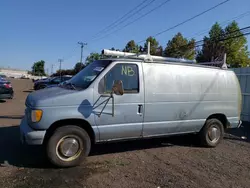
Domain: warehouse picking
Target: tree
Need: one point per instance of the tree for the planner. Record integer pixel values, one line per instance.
(212, 48)
(64, 72)
(132, 47)
(180, 47)
(154, 44)
(78, 67)
(236, 46)
(230, 41)
(92, 57)
(38, 68)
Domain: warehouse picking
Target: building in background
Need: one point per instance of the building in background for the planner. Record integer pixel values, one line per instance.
(15, 73)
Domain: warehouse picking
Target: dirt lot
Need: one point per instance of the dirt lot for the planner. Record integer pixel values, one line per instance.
(169, 162)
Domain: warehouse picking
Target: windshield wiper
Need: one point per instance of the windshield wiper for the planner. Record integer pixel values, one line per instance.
(71, 85)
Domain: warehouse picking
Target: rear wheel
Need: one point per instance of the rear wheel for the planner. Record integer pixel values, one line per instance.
(68, 146)
(212, 133)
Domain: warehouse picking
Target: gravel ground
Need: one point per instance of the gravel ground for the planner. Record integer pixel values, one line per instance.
(167, 162)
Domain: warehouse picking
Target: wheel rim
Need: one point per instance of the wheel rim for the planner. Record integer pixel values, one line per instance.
(68, 148)
(214, 134)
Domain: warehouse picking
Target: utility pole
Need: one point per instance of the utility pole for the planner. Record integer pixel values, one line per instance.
(82, 45)
(52, 66)
(60, 66)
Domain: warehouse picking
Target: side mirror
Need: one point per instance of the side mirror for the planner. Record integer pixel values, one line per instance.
(118, 87)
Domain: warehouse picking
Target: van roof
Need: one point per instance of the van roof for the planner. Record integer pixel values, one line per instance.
(164, 62)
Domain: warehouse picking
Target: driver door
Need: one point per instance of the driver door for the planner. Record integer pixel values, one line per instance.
(128, 108)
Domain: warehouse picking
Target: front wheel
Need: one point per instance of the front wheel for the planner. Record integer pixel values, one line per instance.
(212, 133)
(68, 146)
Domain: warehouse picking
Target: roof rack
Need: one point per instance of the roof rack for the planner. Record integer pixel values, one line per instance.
(150, 58)
(145, 57)
(221, 64)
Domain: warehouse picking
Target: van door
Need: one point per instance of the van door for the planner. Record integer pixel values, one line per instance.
(128, 108)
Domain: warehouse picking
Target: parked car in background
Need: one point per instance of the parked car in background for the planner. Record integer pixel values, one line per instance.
(6, 90)
(50, 82)
(2, 76)
(2, 79)
(57, 85)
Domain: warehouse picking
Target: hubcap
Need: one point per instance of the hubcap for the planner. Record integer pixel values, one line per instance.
(68, 148)
(214, 134)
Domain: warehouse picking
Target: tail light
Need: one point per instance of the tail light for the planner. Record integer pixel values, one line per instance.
(8, 86)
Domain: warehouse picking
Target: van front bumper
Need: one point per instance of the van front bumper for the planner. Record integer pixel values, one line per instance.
(29, 135)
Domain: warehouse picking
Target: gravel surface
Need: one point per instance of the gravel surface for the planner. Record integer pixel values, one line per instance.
(167, 162)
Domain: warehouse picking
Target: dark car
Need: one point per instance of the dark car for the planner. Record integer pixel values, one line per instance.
(50, 82)
(6, 90)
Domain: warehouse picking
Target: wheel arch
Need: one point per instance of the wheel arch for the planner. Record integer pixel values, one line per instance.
(221, 117)
(78, 122)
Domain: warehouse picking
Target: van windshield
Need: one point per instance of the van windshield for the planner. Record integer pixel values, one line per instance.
(85, 77)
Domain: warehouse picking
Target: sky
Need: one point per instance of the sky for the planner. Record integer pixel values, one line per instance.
(48, 30)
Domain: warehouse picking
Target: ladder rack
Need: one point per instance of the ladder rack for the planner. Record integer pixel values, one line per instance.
(145, 57)
(150, 58)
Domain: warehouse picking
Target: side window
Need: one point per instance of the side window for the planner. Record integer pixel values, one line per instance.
(127, 73)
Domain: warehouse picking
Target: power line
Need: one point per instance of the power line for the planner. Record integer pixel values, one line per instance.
(244, 31)
(185, 21)
(159, 6)
(124, 16)
(222, 24)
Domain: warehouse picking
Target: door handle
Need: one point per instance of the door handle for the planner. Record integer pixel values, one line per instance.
(139, 111)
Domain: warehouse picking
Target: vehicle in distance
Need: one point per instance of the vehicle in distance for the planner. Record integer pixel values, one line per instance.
(131, 98)
(6, 90)
(41, 84)
(3, 76)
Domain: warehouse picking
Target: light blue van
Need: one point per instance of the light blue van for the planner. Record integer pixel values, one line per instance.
(131, 98)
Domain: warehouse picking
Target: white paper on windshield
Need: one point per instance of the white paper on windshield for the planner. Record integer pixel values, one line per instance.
(99, 69)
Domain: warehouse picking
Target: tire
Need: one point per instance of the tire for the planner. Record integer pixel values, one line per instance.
(12, 96)
(208, 139)
(64, 135)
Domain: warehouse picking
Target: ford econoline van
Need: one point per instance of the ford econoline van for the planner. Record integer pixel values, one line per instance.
(131, 98)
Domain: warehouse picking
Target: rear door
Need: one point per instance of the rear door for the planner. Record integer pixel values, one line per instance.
(128, 108)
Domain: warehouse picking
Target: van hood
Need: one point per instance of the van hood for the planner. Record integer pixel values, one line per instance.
(54, 96)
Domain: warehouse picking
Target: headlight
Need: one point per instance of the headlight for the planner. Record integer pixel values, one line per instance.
(36, 115)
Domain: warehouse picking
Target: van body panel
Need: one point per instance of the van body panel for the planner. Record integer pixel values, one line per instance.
(179, 98)
(127, 122)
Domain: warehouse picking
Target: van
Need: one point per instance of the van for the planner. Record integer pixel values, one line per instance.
(131, 97)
